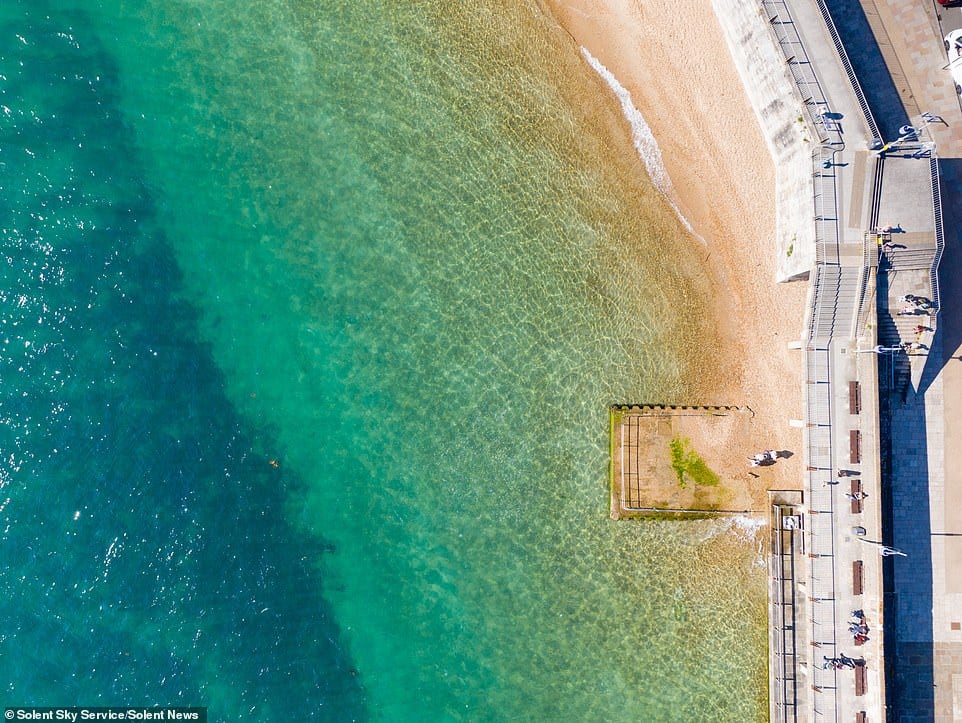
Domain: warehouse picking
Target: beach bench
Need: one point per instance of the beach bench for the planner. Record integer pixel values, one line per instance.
(855, 446)
(861, 717)
(858, 579)
(854, 398)
(856, 489)
(860, 679)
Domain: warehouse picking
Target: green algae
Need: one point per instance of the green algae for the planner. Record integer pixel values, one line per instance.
(689, 465)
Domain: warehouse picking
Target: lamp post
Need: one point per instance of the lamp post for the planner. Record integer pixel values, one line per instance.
(879, 350)
(910, 133)
(884, 550)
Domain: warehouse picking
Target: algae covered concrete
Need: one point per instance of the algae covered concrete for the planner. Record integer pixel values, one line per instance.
(684, 460)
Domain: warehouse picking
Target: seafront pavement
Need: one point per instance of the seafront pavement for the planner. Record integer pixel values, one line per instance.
(910, 40)
(927, 509)
(926, 438)
(920, 440)
(844, 571)
(914, 431)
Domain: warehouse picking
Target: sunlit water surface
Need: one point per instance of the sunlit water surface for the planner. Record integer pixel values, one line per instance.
(311, 314)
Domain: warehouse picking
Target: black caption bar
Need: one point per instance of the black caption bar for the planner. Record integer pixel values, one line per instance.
(74, 714)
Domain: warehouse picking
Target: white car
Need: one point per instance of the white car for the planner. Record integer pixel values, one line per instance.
(953, 46)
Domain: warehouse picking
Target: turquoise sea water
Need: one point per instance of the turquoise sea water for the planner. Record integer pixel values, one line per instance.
(311, 315)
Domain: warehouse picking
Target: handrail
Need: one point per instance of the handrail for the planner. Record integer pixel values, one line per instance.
(849, 71)
(825, 197)
(871, 245)
(800, 66)
(939, 232)
(820, 461)
(863, 276)
(785, 691)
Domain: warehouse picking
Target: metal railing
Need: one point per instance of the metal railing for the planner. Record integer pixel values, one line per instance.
(829, 134)
(939, 232)
(870, 258)
(847, 65)
(799, 65)
(821, 520)
(785, 692)
(825, 200)
(822, 319)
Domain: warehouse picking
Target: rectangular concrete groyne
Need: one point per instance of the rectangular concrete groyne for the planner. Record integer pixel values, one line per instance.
(677, 461)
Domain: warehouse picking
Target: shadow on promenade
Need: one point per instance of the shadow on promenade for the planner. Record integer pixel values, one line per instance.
(905, 479)
(869, 65)
(950, 269)
(906, 527)
(948, 341)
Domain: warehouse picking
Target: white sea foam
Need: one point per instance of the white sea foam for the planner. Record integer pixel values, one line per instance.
(641, 134)
(745, 528)
(748, 527)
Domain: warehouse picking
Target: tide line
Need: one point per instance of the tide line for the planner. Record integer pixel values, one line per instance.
(641, 135)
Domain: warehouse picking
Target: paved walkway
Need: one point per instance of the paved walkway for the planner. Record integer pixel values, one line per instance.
(909, 36)
(925, 601)
(898, 436)
(925, 458)
(903, 444)
(844, 570)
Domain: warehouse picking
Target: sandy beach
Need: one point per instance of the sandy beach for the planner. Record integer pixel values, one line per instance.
(673, 59)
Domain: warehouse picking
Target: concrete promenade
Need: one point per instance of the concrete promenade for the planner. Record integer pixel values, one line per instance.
(841, 572)
(874, 413)
(883, 377)
(922, 454)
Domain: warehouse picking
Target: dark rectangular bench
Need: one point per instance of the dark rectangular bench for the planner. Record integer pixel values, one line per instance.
(855, 446)
(861, 717)
(854, 398)
(858, 579)
(856, 489)
(860, 679)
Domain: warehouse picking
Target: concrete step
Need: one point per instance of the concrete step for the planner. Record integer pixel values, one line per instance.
(903, 259)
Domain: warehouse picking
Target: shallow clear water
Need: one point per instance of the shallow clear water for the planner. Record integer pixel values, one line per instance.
(312, 313)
